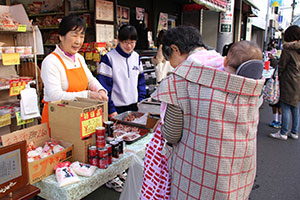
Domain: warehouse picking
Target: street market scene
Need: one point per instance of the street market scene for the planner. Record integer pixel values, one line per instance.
(149, 99)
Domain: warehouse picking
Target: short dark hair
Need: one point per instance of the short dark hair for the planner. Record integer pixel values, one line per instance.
(160, 36)
(292, 33)
(69, 23)
(186, 38)
(241, 52)
(127, 32)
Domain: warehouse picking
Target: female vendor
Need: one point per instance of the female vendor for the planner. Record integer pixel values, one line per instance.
(64, 72)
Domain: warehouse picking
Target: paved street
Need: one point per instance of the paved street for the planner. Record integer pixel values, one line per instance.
(278, 167)
(278, 164)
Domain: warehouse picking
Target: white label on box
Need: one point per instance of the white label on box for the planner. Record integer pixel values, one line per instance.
(10, 165)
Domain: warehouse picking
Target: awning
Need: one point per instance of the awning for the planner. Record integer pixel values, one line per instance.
(216, 5)
(250, 3)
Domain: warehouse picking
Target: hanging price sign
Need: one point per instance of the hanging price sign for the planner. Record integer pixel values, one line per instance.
(20, 121)
(22, 28)
(89, 55)
(11, 59)
(96, 57)
(89, 121)
(16, 88)
(5, 120)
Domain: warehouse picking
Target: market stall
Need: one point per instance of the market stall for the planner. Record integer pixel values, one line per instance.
(51, 190)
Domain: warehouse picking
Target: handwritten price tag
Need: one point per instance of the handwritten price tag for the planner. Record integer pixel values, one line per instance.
(11, 59)
(89, 121)
(20, 121)
(16, 88)
(96, 57)
(5, 120)
(89, 55)
(22, 28)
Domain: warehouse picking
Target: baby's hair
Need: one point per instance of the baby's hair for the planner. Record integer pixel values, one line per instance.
(241, 52)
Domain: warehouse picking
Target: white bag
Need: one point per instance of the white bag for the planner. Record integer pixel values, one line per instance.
(133, 184)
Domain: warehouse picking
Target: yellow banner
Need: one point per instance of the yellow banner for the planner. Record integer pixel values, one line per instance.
(11, 58)
(16, 88)
(5, 120)
(20, 121)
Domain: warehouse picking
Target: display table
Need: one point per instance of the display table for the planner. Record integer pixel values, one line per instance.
(50, 189)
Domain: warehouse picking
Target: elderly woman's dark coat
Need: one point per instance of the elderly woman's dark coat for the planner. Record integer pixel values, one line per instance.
(289, 73)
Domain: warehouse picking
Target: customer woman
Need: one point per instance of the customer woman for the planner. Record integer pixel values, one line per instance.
(64, 72)
(211, 118)
(162, 66)
(289, 80)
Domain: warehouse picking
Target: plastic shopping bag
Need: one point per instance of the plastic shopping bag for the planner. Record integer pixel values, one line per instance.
(134, 180)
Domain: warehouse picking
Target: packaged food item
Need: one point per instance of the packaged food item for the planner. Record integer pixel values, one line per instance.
(65, 175)
(82, 169)
(8, 23)
(8, 50)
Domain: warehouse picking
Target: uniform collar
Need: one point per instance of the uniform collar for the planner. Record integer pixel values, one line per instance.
(122, 53)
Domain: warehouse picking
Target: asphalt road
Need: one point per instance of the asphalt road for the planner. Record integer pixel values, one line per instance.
(278, 164)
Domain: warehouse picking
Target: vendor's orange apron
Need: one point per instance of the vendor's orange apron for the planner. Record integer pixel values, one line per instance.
(77, 82)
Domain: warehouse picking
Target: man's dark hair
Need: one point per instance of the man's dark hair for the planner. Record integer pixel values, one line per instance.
(186, 38)
(160, 36)
(127, 32)
(70, 23)
(292, 33)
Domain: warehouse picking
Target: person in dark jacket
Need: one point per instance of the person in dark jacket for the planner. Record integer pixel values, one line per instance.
(289, 80)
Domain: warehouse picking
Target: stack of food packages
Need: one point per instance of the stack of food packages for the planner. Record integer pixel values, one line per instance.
(35, 153)
(110, 143)
(7, 80)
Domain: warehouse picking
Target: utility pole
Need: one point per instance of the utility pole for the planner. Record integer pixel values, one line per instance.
(267, 27)
(293, 8)
(225, 33)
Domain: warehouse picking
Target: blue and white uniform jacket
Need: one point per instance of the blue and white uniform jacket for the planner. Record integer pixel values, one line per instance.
(121, 74)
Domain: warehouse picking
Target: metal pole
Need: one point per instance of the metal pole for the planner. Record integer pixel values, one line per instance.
(267, 27)
(293, 8)
(226, 26)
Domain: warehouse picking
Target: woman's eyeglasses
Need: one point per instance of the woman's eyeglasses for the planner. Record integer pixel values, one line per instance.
(129, 42)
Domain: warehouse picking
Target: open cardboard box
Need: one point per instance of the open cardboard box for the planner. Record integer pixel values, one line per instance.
(66, 123)
(38, 134)
(152, 121)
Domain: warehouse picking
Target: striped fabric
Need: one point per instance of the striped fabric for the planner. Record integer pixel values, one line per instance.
(216, 156)
(172, 128)
(156, 179)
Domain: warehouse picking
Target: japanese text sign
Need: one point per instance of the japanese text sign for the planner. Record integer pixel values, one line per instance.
(89, 121)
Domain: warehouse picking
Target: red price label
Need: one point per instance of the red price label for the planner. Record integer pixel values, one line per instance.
(16, 88)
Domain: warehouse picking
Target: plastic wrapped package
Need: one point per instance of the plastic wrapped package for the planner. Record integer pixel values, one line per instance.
(133, 184)
(82, 169)
(64, 174)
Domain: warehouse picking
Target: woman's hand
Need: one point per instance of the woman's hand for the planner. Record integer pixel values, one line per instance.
(100, 95)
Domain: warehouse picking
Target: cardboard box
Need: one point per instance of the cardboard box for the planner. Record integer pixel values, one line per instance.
(38, 134)
(66, 122)
(152, 120)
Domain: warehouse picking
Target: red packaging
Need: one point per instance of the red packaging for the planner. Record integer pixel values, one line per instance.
(102, 153)
(93, 161)
(100, 143)
(100, 137)
(103, 163)
(100, 131)
(109, 148)
(92, 151)
(109, 159)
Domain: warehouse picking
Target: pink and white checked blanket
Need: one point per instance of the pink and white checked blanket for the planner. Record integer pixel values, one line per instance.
(156, 180)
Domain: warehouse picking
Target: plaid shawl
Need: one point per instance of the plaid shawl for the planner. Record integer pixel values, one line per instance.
(216, 157)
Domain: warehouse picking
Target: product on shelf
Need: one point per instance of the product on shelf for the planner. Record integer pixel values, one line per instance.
(8, 23)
